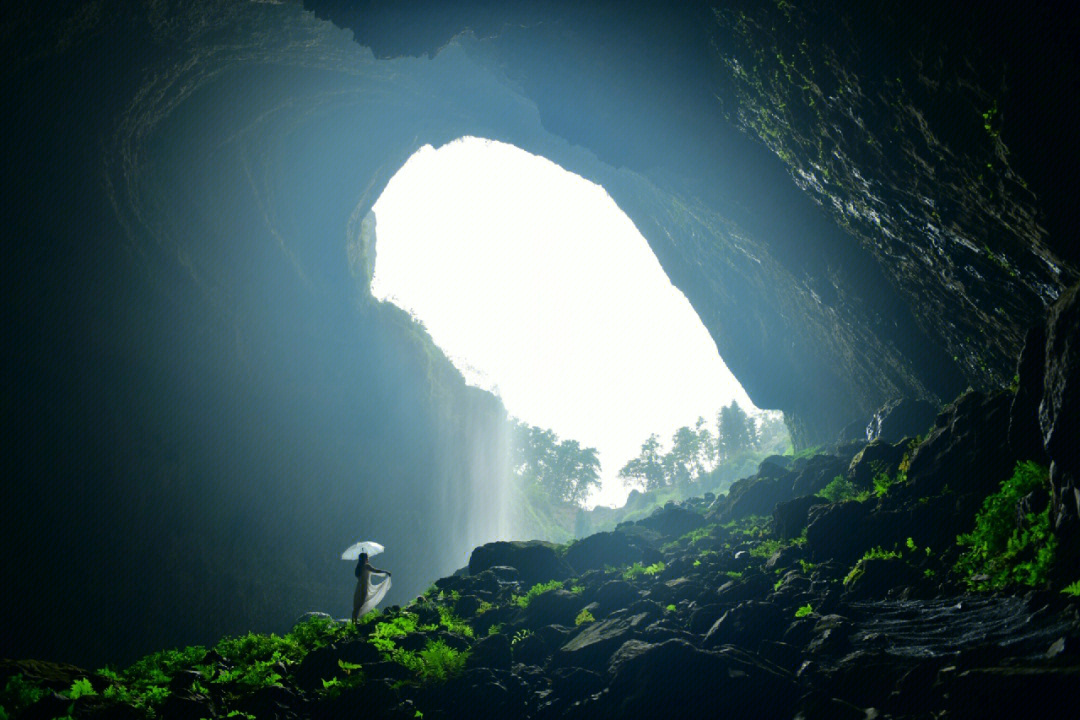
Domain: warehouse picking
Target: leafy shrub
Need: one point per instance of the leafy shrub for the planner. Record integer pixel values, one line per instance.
(1072, 589)
(841, 490)
(670, 608)
(882, 482)
(453, 623)
(519, 636)
(876, 553)
(584, 617)
(523, 601)
(638, 569)
(998, 552)
(766, 548)
(804, 610)
(81, 688)
(20, 693)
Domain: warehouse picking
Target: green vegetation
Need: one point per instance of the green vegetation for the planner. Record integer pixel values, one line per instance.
(519, 636)
(767, 548)
(562, 470)
(842, 490)
(522, 601)
(998, 553)
(1072, 589)
(670, 607)
(876, 553)
(696, 455)
(804, 610)
(19, 694)
(584, 617)
(806, 452)
(638, 569)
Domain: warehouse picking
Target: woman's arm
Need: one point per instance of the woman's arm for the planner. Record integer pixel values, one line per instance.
(374, 569)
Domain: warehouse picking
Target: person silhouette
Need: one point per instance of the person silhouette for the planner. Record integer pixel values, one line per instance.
(363, 599)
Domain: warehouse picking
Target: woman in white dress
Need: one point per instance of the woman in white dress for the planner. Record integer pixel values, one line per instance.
(364, 599)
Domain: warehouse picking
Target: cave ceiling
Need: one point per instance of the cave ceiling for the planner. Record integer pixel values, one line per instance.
(834, 189)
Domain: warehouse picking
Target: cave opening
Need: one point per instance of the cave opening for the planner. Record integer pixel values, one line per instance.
(539, 288)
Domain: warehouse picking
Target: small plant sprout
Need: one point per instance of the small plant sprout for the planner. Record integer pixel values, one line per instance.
(803, 611)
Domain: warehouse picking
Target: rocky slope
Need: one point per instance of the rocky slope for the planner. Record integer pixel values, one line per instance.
(849, 599)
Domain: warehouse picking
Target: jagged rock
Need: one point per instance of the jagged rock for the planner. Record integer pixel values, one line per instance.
(877, 457)
(1025, 433)
(832, 531)
(647, 681)
(789, 517)
(557, 607)
(747, 588)
(880, 575)
(968, 449)
(531, 650)
(672, 521)
(818, 472)
(322, 664)
(780, 461)
(1009, 692)
(574, 683)
(756, 496)
(536, 561)
(492, 651)
(616, 548)
(278, 703)
(616, 594)
(1059, 410)
(747, 625)
(1059, 419)
(831, 636)
(593, 646)
(899, 419)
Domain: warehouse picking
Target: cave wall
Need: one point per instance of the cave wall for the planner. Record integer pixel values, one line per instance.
(203, 401)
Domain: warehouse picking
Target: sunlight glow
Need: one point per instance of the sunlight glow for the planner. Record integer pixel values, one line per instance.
(538, 287)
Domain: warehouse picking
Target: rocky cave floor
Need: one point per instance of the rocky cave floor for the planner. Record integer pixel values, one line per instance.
(759, 603)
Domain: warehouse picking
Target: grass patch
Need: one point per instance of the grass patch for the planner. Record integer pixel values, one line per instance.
(998, 553)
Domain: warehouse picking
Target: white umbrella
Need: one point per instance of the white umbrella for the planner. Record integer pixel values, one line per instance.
(364, 546)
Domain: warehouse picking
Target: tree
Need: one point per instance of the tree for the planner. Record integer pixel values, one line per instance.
(647, 469)
(735, 431)
(562, 470)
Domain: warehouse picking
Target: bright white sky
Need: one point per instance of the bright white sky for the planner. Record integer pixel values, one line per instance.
(536, 285)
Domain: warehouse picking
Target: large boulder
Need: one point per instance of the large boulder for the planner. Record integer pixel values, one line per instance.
(535, 560)
(818, 472)
(968, 450)
(833, 531)
(674, 678)
(617, 548)
(789, 517)
(877, 457)
(593, 646)
(899, 419)
(755, 496)
(747, 625)
(672, 521)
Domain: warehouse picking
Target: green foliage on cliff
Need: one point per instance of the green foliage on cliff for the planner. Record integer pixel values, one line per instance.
(999, 553)
(841, 490)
